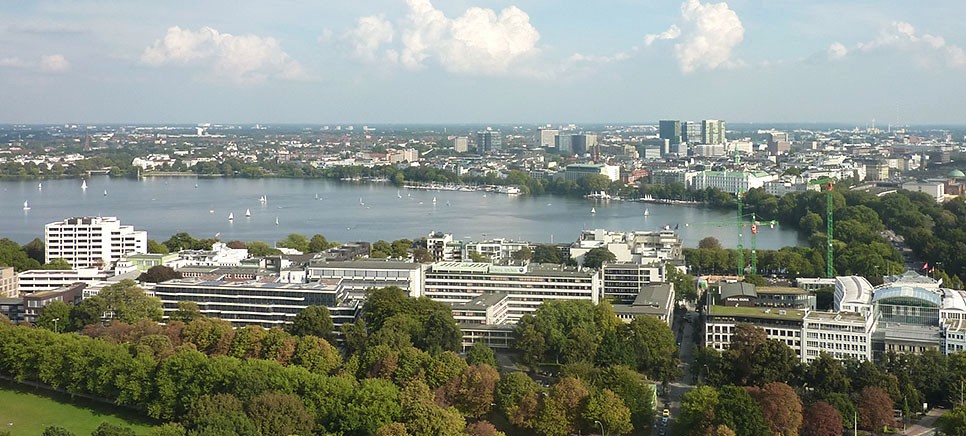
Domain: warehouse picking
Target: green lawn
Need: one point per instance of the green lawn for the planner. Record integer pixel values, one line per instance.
(31, 410)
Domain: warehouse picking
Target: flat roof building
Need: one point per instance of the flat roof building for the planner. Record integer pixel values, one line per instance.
(358, 276)
(655, 300)
(780, 324)
(841, 335)
(92, 241)
(35, 303)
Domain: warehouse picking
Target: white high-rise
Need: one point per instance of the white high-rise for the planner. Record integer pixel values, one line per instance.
(91, 241)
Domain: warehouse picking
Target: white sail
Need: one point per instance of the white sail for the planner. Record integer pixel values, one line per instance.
(105, 192)
(231, 216)
(84, 184)
(248, 213)
(26, 206)
(276, 221)
(593, 210)
(40, 186)
(646, 212)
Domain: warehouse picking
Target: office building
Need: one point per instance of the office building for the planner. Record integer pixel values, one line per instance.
(655, 300)
(9, 282)
(583, 143)
(38, 280)
(623, 282)
(563, 144)
(853, 294)
(642, 247)
(145, 261)
(496, 250)
(576, 172)
(484, 319)
(670, 130)
(780, 324)
(92, 241)
(731, 181)
(841, 335)
(35, 303)
(691, 133)
(264, 303)
(461, 144)
(488, 141)
(443, 247)
(527, 286)
(547, 137)
(12, 309)
(358, 276)
(713, 132)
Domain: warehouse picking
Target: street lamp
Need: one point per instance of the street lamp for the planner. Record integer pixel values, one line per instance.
(55, 324)
(601, 427)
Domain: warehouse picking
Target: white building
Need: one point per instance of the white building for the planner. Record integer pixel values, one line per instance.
(358, 276)
(624, 281)
(731, 181)
(642, 247)
(841, 335)
(780, 324)
(527, 286)
(853, 294)
(37, 280)
(219, 255)
(578, 171)
(495, 249)
(935, 188)
(91, 241)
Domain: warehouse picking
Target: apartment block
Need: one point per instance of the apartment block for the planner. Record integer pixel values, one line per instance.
(92, 241)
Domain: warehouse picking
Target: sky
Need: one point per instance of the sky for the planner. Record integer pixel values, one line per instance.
(482, 61)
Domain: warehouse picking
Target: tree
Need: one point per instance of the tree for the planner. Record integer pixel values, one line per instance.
(187, 311)
(423, 416)
(560, 413)
(318, 244)
(827, 375)
(295, 241)
(392, 429)
(710, 243)
(546, 253)
(685, 288)
(472, 392)
(124, 301)
(315, 321)
(523, 254)
(480, 353)
(108, 429)
(281, 414)
(11, 254)
(373, 404)
(821, 419)
(596, 257)
(780, 406)
(169, 429)
(54, 430)
(609, 409)
(875, 409)
(652, 341)
(317, 355)
(844, 406)
(261, 249)
(517, 396)
(697, 414)
(218, 414)
(482, 428)
(56, 310)
(56, 264)
(158, 274)
(400, 248)
(739, 411)
(35, 250)
(155, 247)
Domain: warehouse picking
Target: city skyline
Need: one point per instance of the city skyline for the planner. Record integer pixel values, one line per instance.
(523, 61)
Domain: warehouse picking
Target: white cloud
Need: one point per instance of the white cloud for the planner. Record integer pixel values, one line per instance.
(837, 51)
(707, 35)
(902, 37)
(13, 62)
(368, 37)
(54, 63)
(480, 41)
(239, 58)
(673, 32)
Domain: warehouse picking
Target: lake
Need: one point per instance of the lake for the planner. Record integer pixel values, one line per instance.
(346, 211)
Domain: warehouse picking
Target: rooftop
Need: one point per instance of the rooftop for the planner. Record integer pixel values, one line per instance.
(729, 290)
(363, 264)
(757, 312)
(482, 301)
(780, 290)
(836, 316)
(321, 285)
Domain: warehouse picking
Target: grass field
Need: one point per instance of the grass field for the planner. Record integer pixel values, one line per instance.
(31, 410)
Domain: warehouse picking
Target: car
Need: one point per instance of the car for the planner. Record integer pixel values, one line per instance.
(666, 412)
(664, 420)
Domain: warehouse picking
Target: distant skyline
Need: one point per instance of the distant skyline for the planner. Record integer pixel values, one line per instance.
(482, 61)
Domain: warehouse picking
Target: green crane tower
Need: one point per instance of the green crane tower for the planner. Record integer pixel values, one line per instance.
(829, 270)
(741, 225)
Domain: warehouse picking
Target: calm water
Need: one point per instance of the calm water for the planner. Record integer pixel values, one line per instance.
(344, 211)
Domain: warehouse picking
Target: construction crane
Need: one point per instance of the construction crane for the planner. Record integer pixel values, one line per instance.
(829, 208)
(756, 226)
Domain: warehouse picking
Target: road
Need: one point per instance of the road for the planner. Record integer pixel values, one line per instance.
(684, 330)
(926, 425)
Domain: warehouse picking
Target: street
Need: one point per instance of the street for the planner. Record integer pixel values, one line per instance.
(684, 330)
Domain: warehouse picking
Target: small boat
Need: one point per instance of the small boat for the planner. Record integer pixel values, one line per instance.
(398, 194)
(316, 196)
(231, 216)
(434, 200)
(105, 192)
(84, 185)
(40, 186)
(593, 210)
(276, 221)
(646, 212)
(263, 199)
(248, 213)
(26, 206)
(211, 211)
(360, 202)
(196, 186)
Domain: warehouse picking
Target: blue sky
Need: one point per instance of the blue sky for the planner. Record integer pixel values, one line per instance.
(481, 61)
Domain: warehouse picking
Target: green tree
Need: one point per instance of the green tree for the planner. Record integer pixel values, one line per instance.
(54, 430)
(169, 429)
(710, 243)
(517, 396)
(187, 311)
(317, 355)
(608, 408)
(739, 411)
(476, 256)
(374, 404)
(400, 248)
(108, 429)
(56, 310)
(294, 241)
(219, 414)
(158, 274)
(261, 249)
(546, 253)
(56, 264)
(523, 254)
(480, 353)
(596, 257)
(318, 244)
(652, 341)
(685, 285)
(422, 415)
(35, 250)
(155, 247)
(315, 321)
(124, 301)
(281, 414)
(697, 416)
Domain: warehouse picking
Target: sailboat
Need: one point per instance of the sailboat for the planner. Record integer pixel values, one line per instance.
(248, 213)
(263, 199)
(646, 212)
(593, 210)
(276, 221)
(398, 194)
(26, 206)
(360, 202)
(84, 185)
(434, 200)
(105, 192)
(40, 186)
(231, 216)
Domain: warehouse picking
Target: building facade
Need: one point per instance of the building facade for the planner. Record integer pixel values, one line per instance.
(9, 282)
(92, 241)
(358, 276)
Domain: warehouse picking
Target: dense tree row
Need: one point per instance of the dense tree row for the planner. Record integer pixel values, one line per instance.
(905, 380)
(27, 257)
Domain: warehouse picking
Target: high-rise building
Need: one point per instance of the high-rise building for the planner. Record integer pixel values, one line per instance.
(583, 143)
(90, 241)
(670, 130)
(461, 144)
(9, 282)
(488, 140)
(547, 136)
(564, 144)
(691, 132)
(712, 132)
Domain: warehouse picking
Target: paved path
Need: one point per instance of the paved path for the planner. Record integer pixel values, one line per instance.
(683, 331)
(926, 425)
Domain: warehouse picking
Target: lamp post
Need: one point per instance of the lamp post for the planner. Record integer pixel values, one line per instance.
(601, 427)
(55, 324)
